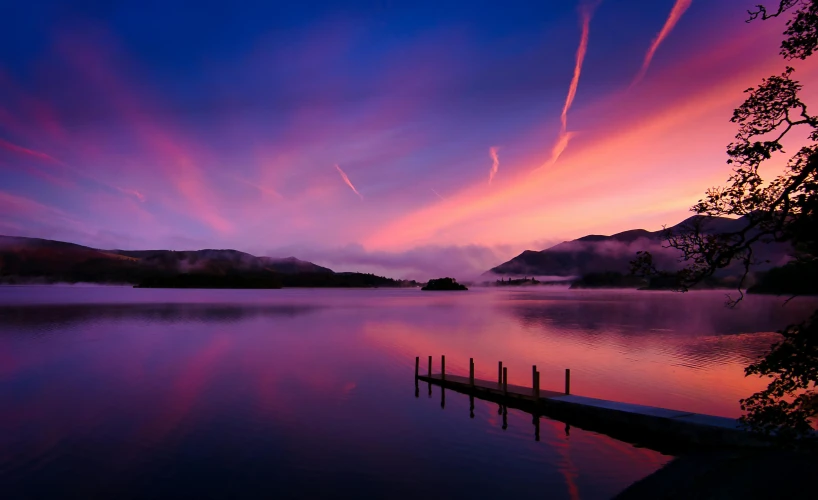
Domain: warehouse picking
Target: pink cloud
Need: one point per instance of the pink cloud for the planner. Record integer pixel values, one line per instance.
(650, 145)
(495, 163)
(585, 16)
(676, 13)
(132, 192)
(20, 150)
(348, 182)
(176, 160)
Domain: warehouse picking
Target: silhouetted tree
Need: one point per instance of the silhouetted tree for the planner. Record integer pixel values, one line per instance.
(783, 209)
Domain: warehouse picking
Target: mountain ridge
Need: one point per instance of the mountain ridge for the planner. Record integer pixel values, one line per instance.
(595, 253)
(38, 260)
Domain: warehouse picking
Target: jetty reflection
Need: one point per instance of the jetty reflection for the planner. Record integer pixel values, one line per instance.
(502, 407)
(670, 432)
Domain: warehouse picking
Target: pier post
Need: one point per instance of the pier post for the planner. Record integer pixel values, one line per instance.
(537, 385)
(500, 373)
(505, 381)
(417, 366)
(442, 367)
(471, 371)
(430, 366)
(567, 381)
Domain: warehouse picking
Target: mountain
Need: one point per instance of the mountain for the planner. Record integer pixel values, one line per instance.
(35, 260)
(190, 260)
(604, 254)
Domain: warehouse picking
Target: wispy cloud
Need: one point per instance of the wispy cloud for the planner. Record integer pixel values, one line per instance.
(348, 182)
(559, 146)
(261, 188)
(679, 8)
(565, 136)
(14, 148)
(132, 192)
(495, 162)
(174, 157)
(585, 15)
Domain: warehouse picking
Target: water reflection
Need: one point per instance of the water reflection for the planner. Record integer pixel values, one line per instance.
(40, 317)
(657, 439)
(643, 313)
(123, 392)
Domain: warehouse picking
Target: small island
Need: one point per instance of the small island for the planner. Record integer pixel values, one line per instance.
(444, 284)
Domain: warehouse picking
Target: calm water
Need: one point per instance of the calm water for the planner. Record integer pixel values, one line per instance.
(127, 393)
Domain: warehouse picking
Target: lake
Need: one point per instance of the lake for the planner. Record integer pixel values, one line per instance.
(114, 392)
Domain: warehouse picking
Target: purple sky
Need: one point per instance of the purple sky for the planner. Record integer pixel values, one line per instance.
(406, 138)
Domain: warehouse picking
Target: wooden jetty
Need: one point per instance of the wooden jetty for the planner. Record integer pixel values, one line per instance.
(662, 429)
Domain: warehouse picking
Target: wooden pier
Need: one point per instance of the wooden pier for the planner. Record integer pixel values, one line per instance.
(662, 429)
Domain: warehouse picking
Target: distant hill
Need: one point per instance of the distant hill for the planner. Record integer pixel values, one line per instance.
(605, 254)
(189, 260)
(34, 260)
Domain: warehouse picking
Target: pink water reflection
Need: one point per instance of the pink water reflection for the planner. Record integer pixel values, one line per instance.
(319, 384)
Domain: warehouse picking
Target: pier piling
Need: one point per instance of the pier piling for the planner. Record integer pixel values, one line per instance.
(667, 427)
(536, 384)
(567, 381)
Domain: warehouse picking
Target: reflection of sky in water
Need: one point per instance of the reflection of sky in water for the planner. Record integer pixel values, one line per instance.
(309, 392)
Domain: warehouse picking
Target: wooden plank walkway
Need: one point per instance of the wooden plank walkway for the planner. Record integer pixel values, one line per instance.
(514, 391)
(662, 429)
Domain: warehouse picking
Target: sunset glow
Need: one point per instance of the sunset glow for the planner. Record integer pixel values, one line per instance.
(228, 140)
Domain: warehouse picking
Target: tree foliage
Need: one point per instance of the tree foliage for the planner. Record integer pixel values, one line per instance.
(783, 208)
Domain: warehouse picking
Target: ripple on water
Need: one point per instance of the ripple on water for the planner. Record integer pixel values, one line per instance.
(115, 392)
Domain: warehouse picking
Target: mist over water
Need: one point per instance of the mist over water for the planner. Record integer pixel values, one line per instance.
(121, 392)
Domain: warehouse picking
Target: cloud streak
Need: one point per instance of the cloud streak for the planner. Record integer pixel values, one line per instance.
(585, 15)
(14, 148)
(261, 188)
(679, 8)
(91, 56)
(132, 192)
(348, 182)
(495, 162)
(526, 204)
(559, 146)
(565, 136)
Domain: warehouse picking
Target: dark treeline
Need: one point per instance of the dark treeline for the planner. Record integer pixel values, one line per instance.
(271, 280)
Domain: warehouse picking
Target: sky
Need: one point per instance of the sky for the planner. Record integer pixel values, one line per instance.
(412, 139)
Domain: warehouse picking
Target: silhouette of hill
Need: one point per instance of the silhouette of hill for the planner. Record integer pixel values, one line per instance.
(606, 254)
(35, 260)
(221, 259)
